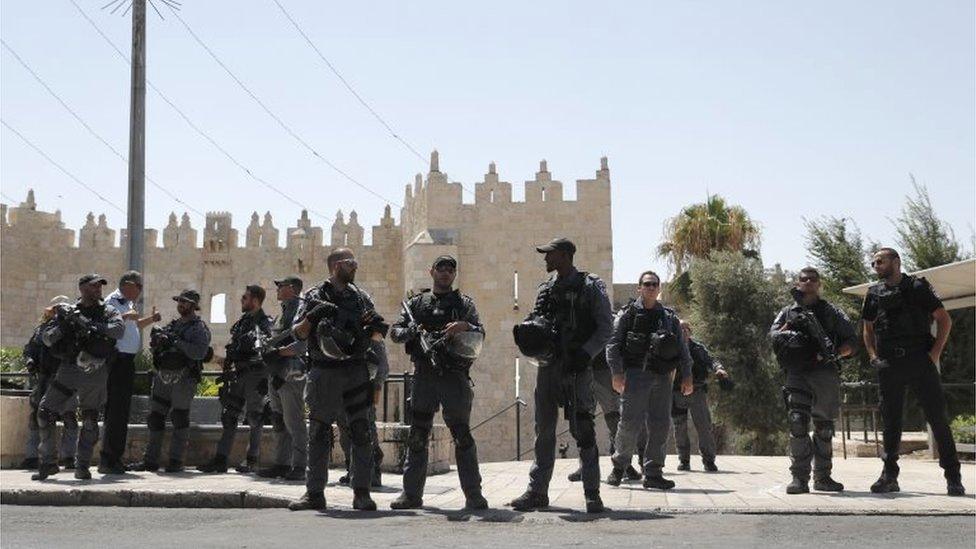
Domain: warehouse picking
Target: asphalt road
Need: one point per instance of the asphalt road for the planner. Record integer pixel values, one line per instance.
(101, 527)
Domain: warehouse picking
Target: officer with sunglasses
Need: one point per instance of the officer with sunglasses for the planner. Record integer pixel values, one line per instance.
(812, 389)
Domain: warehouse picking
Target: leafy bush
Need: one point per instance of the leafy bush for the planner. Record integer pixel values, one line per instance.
(12, 360)
(963, 429)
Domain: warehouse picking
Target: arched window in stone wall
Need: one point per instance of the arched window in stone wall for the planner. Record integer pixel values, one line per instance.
(218, 309)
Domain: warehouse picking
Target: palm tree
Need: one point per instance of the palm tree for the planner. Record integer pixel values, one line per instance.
(702, 228)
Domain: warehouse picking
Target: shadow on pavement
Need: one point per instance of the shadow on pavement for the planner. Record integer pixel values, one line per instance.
(355, 514)
(486, 515)
(610, 514)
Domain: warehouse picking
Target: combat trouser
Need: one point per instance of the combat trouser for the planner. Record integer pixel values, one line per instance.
(553, 389)
(71, 383)
(695, 404)
(173, 400)
(451, 392)
(644, 404)
(329, 391)
(241, 396)
(290, 430)
(812, 394)
(69, 433)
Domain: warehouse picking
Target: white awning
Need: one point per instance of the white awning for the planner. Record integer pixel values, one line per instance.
(955, 283)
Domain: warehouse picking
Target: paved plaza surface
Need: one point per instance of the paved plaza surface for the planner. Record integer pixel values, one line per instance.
(745, 485)
(101, 527)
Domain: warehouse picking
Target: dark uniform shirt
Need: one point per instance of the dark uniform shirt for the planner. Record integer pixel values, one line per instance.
(702, 365)
(623, 323)
(433, 312)
(105, 319)
(594, 300)
(242, 338)
(902, 314)
(352, 303)
(193, 336)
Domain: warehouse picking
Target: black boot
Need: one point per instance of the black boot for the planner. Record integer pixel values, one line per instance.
(144, 466)
(216, 465)
(615, 476)
(247, 466)
(404, 501)
(798, 486)
(593, 502)
(30, 464)
(68, 463)
(344, 479)
(82, 472)
(658, 482)
(275, 471)
(710, 466)
(885, 484)
(954, 487)
(632, 474)
(106, 467)
(45, 470)
(530, 501)
(827, 484)
(175, 466)
(473, 500)
(684, 466)
(295, 473)
(576, 475)
(362, 501)
(308, 501)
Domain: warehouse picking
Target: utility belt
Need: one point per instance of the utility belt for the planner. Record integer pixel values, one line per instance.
(653, 366)
(337, 364)
(422, 366)
(890, 352)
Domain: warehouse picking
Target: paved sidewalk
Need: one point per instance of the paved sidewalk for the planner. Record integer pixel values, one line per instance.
(745, 484)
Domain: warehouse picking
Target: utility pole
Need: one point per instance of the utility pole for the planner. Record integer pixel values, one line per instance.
(137, 142)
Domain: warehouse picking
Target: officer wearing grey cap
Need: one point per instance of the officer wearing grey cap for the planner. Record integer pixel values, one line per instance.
(83, 337)
(286, 385)
(443, 335)
(574, 308)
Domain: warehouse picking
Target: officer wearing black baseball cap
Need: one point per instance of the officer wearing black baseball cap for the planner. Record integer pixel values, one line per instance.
(444, 260)
(189, 296)
(558, 244)
(290, 280)
(92, 278)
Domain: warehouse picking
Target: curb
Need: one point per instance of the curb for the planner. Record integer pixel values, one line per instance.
(143, 498)
(252, 500)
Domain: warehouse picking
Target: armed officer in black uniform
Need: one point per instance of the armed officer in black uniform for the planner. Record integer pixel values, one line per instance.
(696, 405)
(809, 337)
(570, 324)
(243, 391)
(83, 336)
(449, 322)
(898, 313)
(341, 326)
(179, 350)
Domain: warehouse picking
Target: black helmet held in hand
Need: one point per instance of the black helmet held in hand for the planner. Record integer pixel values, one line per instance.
(535, 337)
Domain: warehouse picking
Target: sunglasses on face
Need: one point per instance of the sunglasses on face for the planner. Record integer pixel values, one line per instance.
(350, 262)
(650, 284)
(445, 269)
(808, 279)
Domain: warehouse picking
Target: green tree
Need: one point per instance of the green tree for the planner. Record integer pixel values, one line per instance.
(927, 241)
(734, 304)
(837, 250)
(700, 229)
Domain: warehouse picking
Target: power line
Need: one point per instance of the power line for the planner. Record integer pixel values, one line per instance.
(192, 125)
(274, 116)
(94, 134)
(58, 166)
(348, 86)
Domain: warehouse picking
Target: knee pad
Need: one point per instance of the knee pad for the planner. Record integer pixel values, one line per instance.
(156, 421)
(824, 430)
(799, 423)
(278, 421)
(70, 420)
(180, 418)
(586, 432)
(417, 439)
(359, 432)
(679, 413)
(462, 436)
(46, 417)
(228, 420)
(89, 420)
(319, 432)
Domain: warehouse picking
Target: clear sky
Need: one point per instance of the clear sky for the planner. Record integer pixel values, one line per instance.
(790, 109)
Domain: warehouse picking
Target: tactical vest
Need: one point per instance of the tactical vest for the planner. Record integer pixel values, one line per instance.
(98, 345)
(43, 360)
(241, 347)
(571, 311)
(351, 307)
(433, 313)
(172, 358)
(643, 325)
(900, 321)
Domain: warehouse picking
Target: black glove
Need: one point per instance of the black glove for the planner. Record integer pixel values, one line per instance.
(726, 383)
(322, 310)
